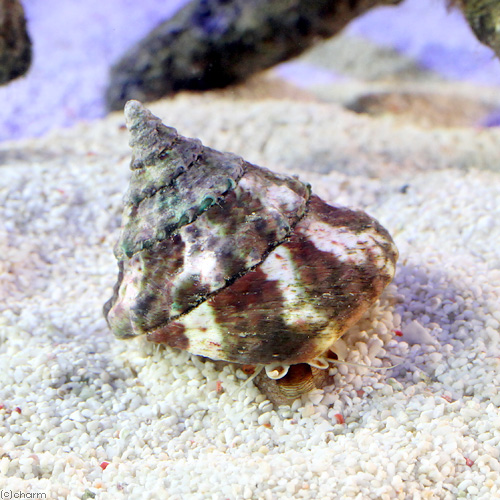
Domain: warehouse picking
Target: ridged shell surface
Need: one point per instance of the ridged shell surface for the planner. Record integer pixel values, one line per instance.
(231, 261)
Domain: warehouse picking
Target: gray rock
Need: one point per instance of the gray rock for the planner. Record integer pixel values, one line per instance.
(15, 44)
(213, 43)
(484, 19)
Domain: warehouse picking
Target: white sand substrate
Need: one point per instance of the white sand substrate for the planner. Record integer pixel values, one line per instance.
(83, 415)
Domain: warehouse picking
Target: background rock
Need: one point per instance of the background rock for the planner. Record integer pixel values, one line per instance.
(211, 44)
(484, 18)
(15, 44)
(70, 68)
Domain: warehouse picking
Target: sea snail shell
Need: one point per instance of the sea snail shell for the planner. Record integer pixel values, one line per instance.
(233, 262)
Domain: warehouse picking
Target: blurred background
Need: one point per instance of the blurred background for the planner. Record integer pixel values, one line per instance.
(75, 43)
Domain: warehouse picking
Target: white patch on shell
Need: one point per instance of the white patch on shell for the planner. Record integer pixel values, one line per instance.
(129, 288)
(296, 308)
(204, 334)
(280, 197)
(200, 264)
(350, 247)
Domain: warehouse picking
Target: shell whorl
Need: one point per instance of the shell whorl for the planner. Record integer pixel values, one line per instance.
(231, 261)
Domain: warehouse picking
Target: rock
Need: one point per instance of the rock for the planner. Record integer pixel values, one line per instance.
(213, 43)
(484, 19)
(15, 44)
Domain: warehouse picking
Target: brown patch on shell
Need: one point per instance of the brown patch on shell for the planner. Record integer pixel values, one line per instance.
(171, 334)
(251, 309)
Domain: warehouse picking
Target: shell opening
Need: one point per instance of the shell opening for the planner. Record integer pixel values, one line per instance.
(256, 372)
(276, 371)
(320, 362)
(359, 365)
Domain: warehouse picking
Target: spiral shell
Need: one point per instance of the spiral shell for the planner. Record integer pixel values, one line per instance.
(233, 262)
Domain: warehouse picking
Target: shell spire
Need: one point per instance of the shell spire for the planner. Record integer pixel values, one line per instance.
(157, 158)
(148, 135)
(174, 180)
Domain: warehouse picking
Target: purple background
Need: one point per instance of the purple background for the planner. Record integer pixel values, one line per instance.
(76, 41)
